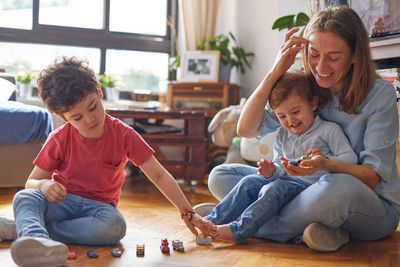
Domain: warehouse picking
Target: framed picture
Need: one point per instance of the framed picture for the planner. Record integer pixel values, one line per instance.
(200, 66)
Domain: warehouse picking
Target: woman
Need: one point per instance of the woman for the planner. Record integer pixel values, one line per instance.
(361, 201)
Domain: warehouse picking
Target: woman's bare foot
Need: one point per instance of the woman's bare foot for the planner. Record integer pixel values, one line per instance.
(224, 233)
(208, 227)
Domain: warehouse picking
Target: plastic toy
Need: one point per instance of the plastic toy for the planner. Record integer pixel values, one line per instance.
(298, 160)
(201, 240)
(92, 254)
(72, 254)
(164, 246)
(116, 252)
(178, 245)
(140, 250)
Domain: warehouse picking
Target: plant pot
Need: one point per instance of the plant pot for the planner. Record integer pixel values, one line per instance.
(25, 90)
(224, 72)
(112, 94)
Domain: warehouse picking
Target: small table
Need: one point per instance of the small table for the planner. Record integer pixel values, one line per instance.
(192, 138)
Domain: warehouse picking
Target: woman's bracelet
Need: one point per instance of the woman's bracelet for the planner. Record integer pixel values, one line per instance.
(188, 213)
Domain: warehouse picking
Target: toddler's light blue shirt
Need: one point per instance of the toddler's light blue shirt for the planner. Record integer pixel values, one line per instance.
(372, 134)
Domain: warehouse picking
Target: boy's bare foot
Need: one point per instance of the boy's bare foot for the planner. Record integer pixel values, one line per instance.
(224, 233)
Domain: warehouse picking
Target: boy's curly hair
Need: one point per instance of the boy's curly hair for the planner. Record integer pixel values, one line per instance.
(66, 82)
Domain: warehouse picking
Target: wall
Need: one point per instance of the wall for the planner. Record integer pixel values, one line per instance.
(251, 23)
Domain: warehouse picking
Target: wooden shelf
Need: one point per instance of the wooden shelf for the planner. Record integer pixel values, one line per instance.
(193, 139)
(385, 47)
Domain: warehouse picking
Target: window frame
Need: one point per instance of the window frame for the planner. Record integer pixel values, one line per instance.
(102, 39)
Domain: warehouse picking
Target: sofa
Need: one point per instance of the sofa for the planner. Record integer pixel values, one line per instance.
(23, 129)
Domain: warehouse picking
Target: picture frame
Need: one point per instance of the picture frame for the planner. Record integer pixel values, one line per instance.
(200, 66)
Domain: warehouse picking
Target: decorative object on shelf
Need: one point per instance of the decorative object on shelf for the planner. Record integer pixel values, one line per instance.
(209, 97)
(378, 29)
(230, 57)
(24, 79)
(200, 66)
(108, 82)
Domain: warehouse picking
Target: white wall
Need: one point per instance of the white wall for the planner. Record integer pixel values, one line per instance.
(251, 23)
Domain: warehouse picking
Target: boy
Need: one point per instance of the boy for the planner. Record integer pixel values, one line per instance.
(257, 199)
(73, 191)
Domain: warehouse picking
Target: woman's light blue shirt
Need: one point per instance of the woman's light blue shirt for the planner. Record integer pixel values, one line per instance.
(372, 134)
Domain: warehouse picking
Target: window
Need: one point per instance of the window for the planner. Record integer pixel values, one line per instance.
(16, 14)
(127, 38)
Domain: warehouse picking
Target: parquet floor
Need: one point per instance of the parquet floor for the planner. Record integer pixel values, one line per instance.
(150, 217)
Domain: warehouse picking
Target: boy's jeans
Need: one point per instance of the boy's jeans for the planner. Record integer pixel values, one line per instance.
(257, 200)
(75, 220)
(336, 200)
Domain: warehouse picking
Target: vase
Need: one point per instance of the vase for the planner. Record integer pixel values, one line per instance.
(224, 72)
(25, 90)
(112, 94)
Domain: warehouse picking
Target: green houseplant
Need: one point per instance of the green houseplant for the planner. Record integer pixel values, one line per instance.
(230, 57)
(108, 82)
(290, 21)
(25, 79)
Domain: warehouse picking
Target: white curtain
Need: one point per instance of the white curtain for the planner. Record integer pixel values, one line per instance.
(199, 18)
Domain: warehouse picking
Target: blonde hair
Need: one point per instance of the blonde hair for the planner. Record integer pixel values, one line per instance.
(345, 23)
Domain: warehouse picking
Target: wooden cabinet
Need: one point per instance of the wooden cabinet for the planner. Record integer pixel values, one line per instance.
(208, 97)
(192, 138)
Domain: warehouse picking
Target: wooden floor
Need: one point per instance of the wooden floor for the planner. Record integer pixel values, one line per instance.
(150, 217)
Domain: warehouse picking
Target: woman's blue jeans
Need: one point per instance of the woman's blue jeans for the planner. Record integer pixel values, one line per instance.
(74, 220)
(256, 199)
(336, 200)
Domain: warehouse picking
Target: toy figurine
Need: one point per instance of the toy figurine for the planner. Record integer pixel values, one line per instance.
(178, 245)
(164, 246)
(298, 160)
(140, 250)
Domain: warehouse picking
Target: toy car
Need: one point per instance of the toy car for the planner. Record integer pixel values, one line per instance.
(178, 245)
(298, 160)
(140, 250)
(116, 252)
(202, 240)
(71, 254)
(164, 246)
(92, 253)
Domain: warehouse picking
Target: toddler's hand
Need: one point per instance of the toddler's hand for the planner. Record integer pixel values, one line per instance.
(265, 168)
(52, 190)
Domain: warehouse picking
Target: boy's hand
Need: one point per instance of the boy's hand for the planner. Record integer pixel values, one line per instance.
(265, 168)
(206, 227)
(52, 190)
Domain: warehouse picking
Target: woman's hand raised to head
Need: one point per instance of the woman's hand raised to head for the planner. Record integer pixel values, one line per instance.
(288, 51)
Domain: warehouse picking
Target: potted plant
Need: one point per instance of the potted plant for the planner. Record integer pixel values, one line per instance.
(230, 57)
(108, 82)
(290, 21)
(25, 79)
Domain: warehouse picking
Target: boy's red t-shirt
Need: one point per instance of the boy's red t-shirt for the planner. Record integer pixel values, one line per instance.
(93, 168)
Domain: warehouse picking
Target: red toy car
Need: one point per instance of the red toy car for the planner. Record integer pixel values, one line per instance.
(164, 246)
